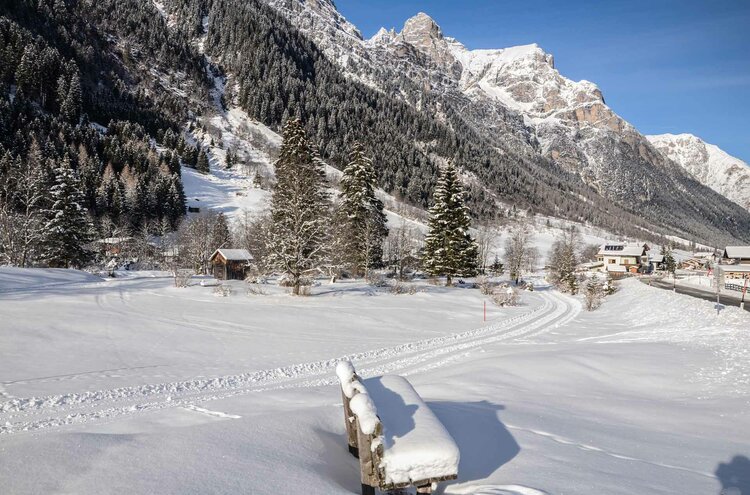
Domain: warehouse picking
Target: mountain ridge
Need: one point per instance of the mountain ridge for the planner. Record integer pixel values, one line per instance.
(722, 172)
(521, 97)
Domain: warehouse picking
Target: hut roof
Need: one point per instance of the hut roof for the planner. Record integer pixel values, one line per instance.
(233, 254)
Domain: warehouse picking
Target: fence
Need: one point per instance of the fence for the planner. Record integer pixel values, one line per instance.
(737, 287)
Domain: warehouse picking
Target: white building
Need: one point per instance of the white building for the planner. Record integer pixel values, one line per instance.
(623, 257)
(738, 255)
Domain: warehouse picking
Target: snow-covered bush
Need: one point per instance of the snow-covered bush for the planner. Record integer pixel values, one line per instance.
(610, 286)
(305, 290)
(223, 290)
(505, 295)
(182, 278)
(255, 290)
(256, 279)
(593, 294)
(286, 281)
(377, 280)
(397, 287)
(486, 287)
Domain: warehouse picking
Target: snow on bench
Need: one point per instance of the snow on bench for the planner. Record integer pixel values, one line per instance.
(398, 439)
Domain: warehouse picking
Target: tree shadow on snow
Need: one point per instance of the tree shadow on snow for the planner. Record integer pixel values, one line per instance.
(483, 440)
(400, 416)
(734, 476)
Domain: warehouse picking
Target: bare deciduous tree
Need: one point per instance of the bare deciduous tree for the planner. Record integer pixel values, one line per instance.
(520, 256)
(402, 248)
(486, 239)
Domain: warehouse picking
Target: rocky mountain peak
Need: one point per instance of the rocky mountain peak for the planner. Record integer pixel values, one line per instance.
(422, 33)
(383, 36)
(421, 29)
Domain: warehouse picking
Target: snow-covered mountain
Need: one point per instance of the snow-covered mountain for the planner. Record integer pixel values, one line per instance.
(517, 100)
(569, 120)
(709, 164)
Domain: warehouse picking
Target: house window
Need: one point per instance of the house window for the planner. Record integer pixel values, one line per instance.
(612, 261)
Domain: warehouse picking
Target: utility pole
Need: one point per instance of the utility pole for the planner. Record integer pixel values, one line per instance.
(744, 291)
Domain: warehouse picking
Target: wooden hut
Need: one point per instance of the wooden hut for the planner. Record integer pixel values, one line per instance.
(230, 264)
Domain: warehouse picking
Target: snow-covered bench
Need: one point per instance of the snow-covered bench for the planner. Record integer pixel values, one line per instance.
(398, 439)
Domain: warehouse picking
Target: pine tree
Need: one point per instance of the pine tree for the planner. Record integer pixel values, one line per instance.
(220, 234)
(299, 207)
(202, 164)
(496, 267)
(363, 223)
(68, 228)
(593, 294)
(449, 249)
(563, 261)
(670, 265)
(71, 108)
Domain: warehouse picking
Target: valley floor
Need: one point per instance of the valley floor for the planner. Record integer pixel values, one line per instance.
(134, 386)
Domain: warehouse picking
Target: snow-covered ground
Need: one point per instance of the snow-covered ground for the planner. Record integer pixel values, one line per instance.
(134, 386)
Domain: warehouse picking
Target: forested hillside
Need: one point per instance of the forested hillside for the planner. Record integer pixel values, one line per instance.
(75, 94)
(111, 90)
(274, 72)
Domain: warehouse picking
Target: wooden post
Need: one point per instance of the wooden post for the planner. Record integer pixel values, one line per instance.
(351, 427)
(367, 462)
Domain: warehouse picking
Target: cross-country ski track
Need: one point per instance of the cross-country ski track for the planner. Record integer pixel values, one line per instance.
(37, 414)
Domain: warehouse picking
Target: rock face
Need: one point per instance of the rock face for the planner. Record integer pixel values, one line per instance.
(569, 120)
(515, 99)
(709, 164)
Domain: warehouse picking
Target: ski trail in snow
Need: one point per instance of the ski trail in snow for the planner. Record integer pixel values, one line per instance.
(36, 413)
(496, 490)
(106, 373)
(216, 414)
(590, 448)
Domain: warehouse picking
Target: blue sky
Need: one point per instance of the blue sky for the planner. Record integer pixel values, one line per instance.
(663, 65)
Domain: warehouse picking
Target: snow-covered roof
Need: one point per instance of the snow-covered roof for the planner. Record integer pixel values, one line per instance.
(703, 254)
(233, 254)
(617, 268)
(592, 264)
(657, 258)
(737, 252)
(621, 249)
(114, 240)
(735, 268)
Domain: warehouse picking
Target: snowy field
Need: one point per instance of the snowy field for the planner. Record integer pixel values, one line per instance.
(133, 386)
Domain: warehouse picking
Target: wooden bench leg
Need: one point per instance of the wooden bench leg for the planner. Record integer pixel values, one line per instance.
(368, 490)
(354, 451)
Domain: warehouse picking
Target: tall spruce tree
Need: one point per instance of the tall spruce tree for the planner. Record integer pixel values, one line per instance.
(202, 165)
(361, 213)
(300, 207)
(563, 261)
(68, 228)
(449, 248)
(220, 234)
